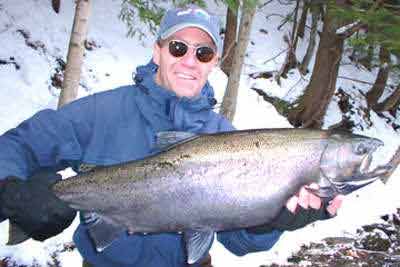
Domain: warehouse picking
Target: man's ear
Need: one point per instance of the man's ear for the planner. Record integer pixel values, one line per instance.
(216, 61)
(156, 53)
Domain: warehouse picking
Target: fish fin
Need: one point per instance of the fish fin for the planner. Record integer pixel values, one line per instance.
(16, 235)
(102, 232)
(86, 167)
(169, 138)
(197, 244)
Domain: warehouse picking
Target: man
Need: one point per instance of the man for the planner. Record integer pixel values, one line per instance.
(170, 93)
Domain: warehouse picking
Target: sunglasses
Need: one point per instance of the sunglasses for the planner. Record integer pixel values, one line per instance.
(179, 48)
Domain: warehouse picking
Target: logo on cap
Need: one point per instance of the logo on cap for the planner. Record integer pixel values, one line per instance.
(195, 12)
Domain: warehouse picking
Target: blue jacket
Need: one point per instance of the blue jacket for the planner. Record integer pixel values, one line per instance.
(112, 127)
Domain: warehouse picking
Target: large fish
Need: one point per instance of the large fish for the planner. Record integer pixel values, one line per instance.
(215, 182)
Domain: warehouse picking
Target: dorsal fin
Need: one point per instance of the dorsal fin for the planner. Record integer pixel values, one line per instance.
(170, 138)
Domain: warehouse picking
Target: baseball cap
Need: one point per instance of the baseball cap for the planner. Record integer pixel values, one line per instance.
(177, 19)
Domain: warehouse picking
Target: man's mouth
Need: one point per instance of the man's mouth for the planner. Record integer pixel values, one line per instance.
(185, 76)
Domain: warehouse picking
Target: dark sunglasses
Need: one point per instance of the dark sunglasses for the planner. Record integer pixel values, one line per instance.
(179, 48)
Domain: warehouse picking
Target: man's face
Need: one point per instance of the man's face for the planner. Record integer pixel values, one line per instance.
(184, 75)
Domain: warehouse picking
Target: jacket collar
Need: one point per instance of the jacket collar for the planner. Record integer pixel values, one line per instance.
(164, 109)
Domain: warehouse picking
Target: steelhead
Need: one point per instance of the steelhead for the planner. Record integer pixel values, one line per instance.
(213, 182)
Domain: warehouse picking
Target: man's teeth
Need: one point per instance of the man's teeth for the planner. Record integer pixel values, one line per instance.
(185, 76)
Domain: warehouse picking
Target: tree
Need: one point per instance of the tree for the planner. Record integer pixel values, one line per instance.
(381, 20)
(72, 74)
(391, 103)
(375, 26)
(230, 38)
(228, 107)
(315, 10)
(149, 12)
(303, 19)
(311, 107)
(290, 60)
(377, 89)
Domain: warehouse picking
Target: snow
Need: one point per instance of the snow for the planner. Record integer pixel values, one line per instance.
(28, 90)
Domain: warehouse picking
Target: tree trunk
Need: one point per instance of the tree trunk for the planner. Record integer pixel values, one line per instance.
(303, 19)
(311, 107)
(72, 75)
(228, 106)
(391, 103)
(290, 60)
(312, 41)
(376, 91)
(55, 4)
(229, 41)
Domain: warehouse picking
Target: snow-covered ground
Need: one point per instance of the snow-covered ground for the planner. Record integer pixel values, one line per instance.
(26, 88)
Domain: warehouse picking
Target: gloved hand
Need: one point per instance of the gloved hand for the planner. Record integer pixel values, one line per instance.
(288, 221)
(33, 207)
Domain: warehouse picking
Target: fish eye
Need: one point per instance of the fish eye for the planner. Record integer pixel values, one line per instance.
(361, 149)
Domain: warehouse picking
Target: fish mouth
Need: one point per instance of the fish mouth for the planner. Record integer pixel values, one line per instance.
(364, 176)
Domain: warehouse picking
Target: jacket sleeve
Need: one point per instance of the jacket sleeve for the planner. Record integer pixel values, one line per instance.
(241, 242)
(225, 125)
(50, 139)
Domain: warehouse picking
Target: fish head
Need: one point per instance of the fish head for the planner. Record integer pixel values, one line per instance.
(345, 163)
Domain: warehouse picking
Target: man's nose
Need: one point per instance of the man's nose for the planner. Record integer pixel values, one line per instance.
(189, 58)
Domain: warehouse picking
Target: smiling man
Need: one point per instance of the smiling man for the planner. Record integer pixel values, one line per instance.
(185, 60)
(171, 93)
(187, 50)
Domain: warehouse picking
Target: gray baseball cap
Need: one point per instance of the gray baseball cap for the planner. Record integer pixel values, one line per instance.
(177, 19)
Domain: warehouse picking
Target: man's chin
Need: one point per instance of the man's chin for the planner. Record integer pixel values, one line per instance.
(187, 90)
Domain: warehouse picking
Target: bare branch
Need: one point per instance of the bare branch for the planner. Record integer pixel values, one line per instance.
(277, 15)
(265, 4)
(392, 6)
(361, 81)
(277, 55)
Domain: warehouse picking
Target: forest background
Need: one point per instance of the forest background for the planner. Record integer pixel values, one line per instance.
(320, 64)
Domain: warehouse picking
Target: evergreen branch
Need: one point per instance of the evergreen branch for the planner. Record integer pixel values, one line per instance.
(355, 27)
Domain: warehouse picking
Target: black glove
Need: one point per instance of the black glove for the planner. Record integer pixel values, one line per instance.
(33, 206)
(288, 221)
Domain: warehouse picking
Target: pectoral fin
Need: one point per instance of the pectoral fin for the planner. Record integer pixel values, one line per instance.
(102, 232)
(197, 244)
